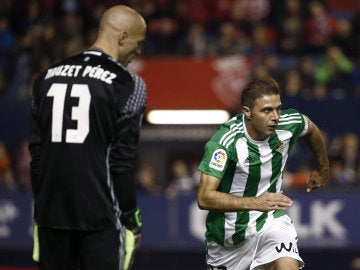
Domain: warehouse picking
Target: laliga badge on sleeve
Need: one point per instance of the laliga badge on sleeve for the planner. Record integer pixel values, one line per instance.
(218, 160)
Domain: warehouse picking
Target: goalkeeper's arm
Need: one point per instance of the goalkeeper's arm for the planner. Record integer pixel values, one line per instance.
(124, 186)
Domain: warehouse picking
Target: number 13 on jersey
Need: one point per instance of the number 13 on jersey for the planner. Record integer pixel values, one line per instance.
(79, 113)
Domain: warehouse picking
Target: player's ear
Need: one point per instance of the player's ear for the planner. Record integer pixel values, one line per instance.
(122, 35)
(246, 111)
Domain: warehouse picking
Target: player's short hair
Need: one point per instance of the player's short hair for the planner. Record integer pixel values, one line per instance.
(258, 88)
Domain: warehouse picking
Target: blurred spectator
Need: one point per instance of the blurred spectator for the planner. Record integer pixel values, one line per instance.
(194, 11)
(261, 46)
(29, 16)
(344, 38)
(73, 46)
(335, 146)
(146, 180)
(7, 181)
(290, 27)
(320, 27)
(337, 174)
(228, 41)
(270, 67)
(194, 42)
(239, 17)
(354, 79)
(146, 8)
(260, 71)
(273, 63)
(164, 28)
(91, 20)
(26, 63)
(355, 263)
(355, 27)
(21, 165)
(7, 43)
(320, 92)
(293, 83)
(333, 70)
(221, 10)
(71, 26)
(195, 173)
(163, 34)
(49, 43)
(256, 10)
(351, 156)
(181, 182)
(300, 160)
(344, 157)
(306, 67)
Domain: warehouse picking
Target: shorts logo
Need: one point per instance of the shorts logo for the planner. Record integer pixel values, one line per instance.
(218, 160)
(288, 248)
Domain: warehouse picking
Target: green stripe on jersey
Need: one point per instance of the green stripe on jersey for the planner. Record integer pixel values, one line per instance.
(252, 183)
(254, 175)
(276, 161)
(260, 221)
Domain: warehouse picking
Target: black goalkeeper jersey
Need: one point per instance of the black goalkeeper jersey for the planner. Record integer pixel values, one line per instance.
(86, 115)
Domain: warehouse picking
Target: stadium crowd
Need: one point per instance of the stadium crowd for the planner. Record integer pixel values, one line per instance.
(320, 46)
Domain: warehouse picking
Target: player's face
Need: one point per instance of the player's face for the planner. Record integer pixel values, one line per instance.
(263, 118)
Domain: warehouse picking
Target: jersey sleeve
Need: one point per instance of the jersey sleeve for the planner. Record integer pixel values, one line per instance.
(123, 151)
(124, 148)
(35, 139)
(293, 121)
(216, 158)
(306, 126)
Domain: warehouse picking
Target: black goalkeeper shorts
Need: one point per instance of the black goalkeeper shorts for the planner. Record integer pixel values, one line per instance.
(56, 249)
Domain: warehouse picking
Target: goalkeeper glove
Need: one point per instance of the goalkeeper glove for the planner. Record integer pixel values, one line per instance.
(132, 222)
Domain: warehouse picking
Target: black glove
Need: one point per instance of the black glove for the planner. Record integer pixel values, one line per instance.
(132, 222)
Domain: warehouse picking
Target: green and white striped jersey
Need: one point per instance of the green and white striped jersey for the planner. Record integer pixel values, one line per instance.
(247, 168)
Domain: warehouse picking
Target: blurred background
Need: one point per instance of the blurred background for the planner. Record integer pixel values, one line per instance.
(197, 57)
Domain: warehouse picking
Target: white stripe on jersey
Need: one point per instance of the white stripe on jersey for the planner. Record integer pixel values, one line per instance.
(228, 138)
(284, 136)
(230, 220)
(290, 115)
(237, 189)
(291, 118)
(282, 123)
(240, 177)
(266, 156)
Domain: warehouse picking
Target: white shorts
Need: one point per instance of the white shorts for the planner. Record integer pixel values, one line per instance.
(277, 239)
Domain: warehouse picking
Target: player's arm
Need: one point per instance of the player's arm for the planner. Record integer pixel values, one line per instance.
(315, 142)
(35, 141)
(210, 199)
(122, 163)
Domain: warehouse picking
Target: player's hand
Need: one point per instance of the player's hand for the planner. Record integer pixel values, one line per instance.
(317, 179)
(132, 223)
(272, 201)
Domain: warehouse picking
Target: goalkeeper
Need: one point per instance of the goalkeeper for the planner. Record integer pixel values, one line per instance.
(86, 115)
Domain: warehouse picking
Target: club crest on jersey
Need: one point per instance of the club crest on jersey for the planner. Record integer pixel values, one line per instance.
(280, 148)
(218, 160)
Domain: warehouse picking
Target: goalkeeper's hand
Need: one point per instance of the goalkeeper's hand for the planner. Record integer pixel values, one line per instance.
(132, 222)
